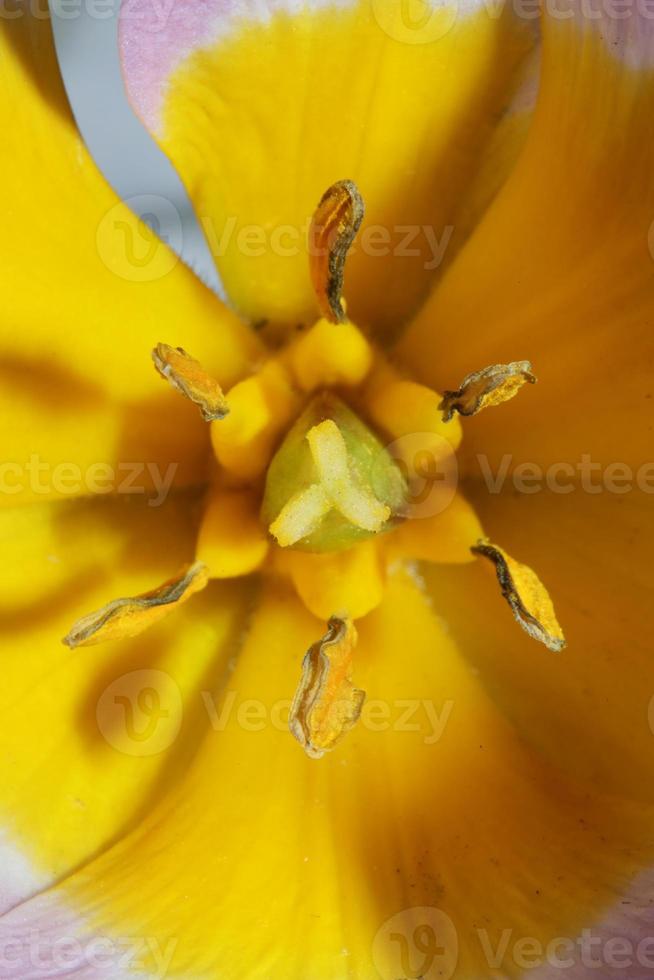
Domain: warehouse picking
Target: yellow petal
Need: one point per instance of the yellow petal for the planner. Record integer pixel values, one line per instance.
(589, 710)
(327, 704)
(78, 317)
(84, 753)
(397, 101)
(122, 619)
(498, 156)
(378, 825)
(560, 263)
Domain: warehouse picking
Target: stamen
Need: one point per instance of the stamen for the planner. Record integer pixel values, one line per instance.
(261, 408)
(483, 389)
(444, 537)
(330, 355)
(526, 595)
(351, 581)
(189, 377)
(232, 541)
(124, 618)
(326, 704)
(335, 223)
(335, 490)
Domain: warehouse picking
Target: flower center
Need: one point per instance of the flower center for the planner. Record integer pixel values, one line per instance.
(321, 451)
(331, 483)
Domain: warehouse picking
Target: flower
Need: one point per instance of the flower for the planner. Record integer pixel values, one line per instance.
(494, 803)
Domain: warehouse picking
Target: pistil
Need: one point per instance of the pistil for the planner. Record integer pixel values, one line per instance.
(331, 483)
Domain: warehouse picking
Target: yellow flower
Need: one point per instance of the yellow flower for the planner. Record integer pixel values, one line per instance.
(489, 802)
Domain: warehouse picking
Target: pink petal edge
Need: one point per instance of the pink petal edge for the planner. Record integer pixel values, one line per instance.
(45, 937)
(18, 879)
(154, 38)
